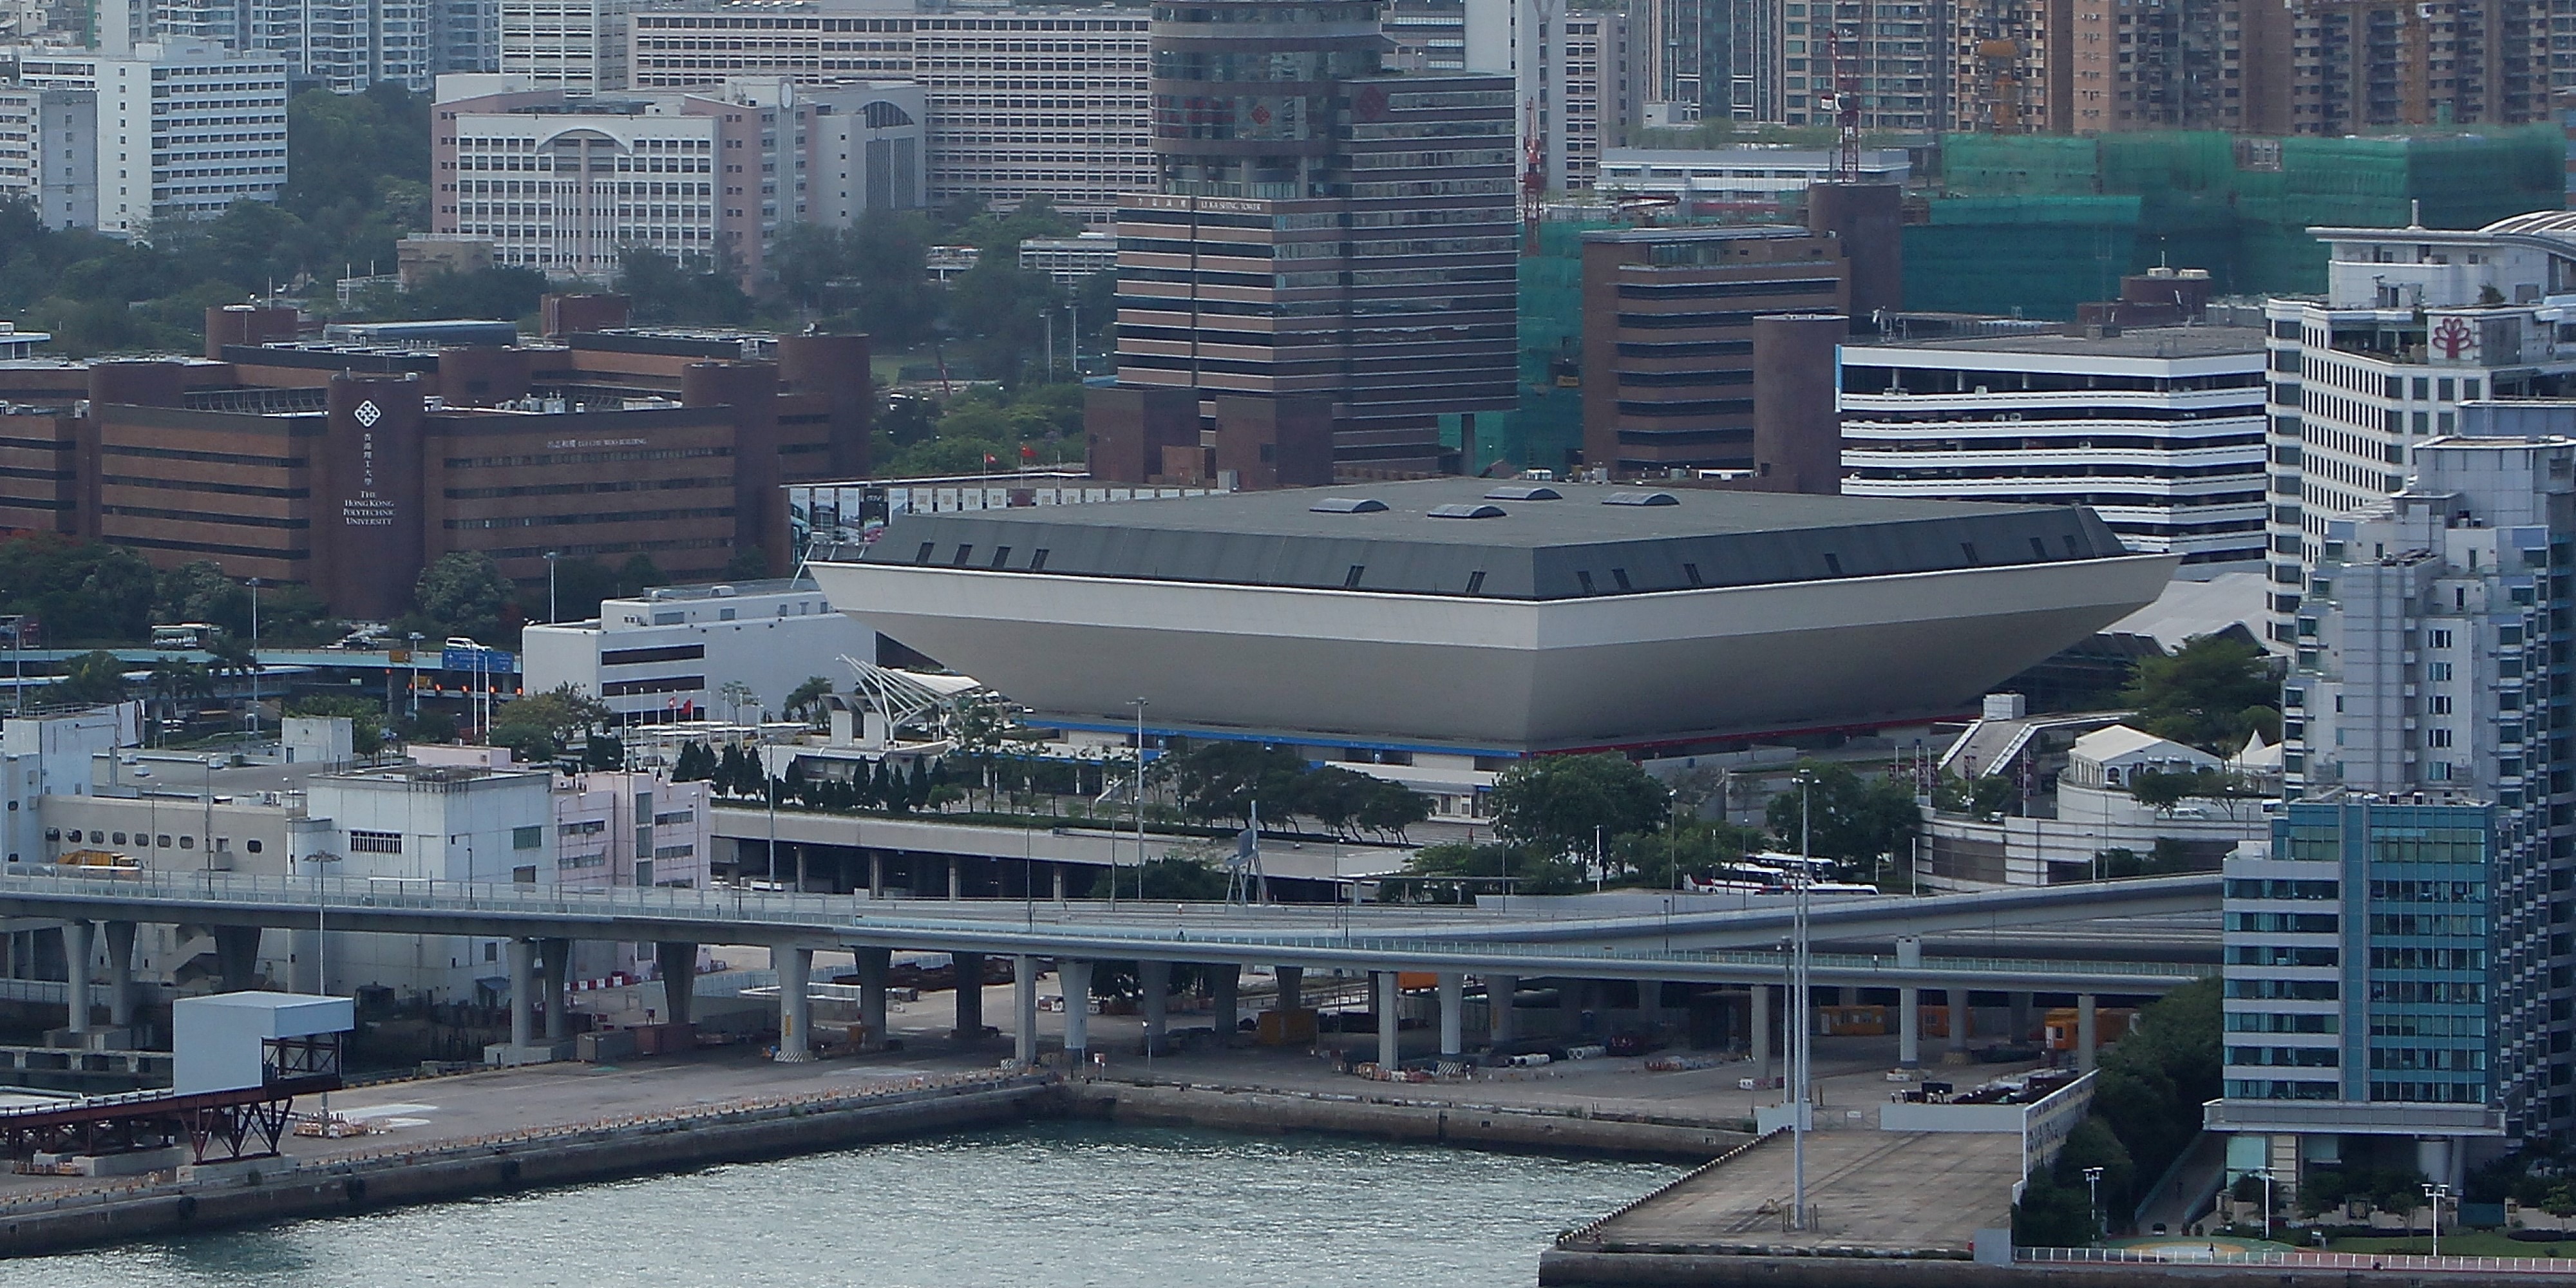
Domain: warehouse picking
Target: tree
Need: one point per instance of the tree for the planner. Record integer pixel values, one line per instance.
(749, 563)
(695, 764)
(1847, 818)
(1330, 795)
(1220, 780)
(1559, 804)
(463, 593)
(1492, 868)
(580, 583)
(91, 677)
(737, 695)
(2211, 693)
(639, 574)
(697, 288)
(560, 714)
(805, 701)
(79, 590)
(172, 682)
(1388, 808)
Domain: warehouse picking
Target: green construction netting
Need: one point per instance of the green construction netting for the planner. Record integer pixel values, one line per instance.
(2195, 208)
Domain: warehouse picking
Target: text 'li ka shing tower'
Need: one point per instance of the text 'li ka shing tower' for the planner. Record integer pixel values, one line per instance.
(1326, 277)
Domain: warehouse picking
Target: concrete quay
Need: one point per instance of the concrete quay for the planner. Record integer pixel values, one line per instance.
(1464, 1122)
(319, 1177)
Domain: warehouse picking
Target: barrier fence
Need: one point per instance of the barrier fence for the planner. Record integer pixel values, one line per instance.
(2299, 1260)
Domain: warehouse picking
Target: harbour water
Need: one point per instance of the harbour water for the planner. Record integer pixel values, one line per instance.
(1057, 1204)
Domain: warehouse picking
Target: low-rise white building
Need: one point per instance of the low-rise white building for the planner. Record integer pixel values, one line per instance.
(1748, 178)
(671, 653)
(180, 129)
(2159, 430)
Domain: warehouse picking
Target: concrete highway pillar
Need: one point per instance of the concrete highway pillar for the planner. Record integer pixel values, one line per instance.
(237, 956)
(679, 965)
(876, 875)
(873, 965)
(523, 991)
(1024, 1009)
(1499, 992)
(1962, 1024)
(1292, 988)
(2020, 1002)
(1073, 981)
(1154, 979)
(2086, 1032)
(1058, 870)
(1453, 1025)
(795, 1006)
(76, 963)
(1909, 1027)
(1224, 1012)
(120, 974)
(554, 984)
(1759, 1041)
(1389, 1056)
(956, 877)
(1650, 1002)
(968, 968)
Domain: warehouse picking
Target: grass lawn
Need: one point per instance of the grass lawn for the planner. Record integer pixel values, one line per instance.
(2465, 1243)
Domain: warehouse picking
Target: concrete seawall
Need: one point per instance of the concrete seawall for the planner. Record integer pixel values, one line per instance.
(674, 1142)
(1562, 1268)
(1465, 1126)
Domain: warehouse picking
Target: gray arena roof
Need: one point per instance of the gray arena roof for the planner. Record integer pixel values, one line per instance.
(1534, 549)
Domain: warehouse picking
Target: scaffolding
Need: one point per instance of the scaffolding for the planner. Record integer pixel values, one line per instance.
(2084, 211)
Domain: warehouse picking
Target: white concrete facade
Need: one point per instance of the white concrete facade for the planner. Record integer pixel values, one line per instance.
(2416, 321)
(1491, 673)
(1022, 101)
(670, 654)
(1750, 177)
(2167, 449)
(180, 130)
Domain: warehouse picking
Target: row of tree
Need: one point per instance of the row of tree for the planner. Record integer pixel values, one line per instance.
(877, 785)
(1217, 781)
(2147, 1102)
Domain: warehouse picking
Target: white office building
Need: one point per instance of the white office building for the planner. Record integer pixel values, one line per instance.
(2415, 322)
(577, 45)
(565, 182)
(2160, 430)
(1750, 179)
(675, 653)
(1021, 102)
(178, 130)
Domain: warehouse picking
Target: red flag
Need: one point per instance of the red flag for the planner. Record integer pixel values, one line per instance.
(990, 459)
(1028, 453)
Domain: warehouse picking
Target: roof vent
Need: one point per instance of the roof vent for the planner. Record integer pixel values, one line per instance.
(1466, 512)
(1641, 498)
(1524, 492)
(1347, 505)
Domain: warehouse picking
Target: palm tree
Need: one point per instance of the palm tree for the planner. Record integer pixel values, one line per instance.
(173, 681)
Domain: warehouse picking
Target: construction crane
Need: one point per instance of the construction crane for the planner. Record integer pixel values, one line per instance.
(1533, 181)
(1843, 104)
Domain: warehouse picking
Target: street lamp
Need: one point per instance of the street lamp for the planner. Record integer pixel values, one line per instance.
(2435, 1194)
(1800, 1012)
(2093, 1189)
(553, 614)
(254, 659)
(1139, 704)
(414, 675)
(2266, 1174)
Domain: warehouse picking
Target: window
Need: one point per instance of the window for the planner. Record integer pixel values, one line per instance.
(1476, 582)
(1001, 556)
(922, 556)
(1037, 559)
(253, 845)
(965, 552)
(120, 838)
(2437, 639)
(1690, 571)
(1833, 566)
(1620, 575)
(1351, 580)
(1584, 579)
(1969, 549)
(527, 838)
(365, 843)
(526, 875)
